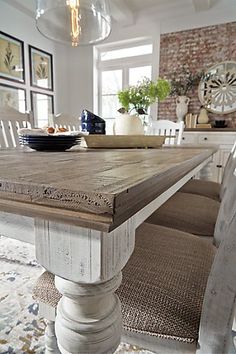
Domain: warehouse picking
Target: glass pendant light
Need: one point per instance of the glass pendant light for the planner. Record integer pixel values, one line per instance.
(76, 22)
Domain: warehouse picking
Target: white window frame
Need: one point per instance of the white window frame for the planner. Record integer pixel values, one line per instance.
(123, 64)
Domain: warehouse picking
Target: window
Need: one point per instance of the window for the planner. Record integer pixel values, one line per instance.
(111, 84)
(126, 52)
(118, 69)
(139, 73)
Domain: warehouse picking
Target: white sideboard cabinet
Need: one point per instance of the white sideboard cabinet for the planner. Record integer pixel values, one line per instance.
(224, 139)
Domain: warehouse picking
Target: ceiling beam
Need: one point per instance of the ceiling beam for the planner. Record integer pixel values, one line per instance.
(202, 5)
(121, 12)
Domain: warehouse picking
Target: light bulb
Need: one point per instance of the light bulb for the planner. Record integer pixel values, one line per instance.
(75, 27)
(77, 22)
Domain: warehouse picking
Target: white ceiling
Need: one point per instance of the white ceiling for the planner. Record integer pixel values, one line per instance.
(129, 11)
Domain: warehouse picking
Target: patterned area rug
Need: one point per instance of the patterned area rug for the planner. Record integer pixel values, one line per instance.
(21, 328)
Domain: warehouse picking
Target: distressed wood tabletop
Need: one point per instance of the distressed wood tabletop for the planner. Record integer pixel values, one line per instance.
(99, 189)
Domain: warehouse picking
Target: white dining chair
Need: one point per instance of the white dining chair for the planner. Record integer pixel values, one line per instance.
(178, 291)
(11, 121)
(192, 212)
(212, 189)
(64, 120)
(172, 130)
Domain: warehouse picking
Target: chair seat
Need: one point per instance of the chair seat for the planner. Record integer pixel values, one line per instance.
(189, 213)
(163, 284)
(208, 189)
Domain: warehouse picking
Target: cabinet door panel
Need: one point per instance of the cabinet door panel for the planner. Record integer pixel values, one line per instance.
(225, 140)
(189, 139)
(212, 138)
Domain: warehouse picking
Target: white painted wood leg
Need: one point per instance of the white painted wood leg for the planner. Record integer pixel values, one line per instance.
(88, 317)
(51, 346)
(88, 265)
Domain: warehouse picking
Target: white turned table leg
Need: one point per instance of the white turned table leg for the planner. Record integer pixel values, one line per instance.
(88, 317)
(51, 346)
(88, 265)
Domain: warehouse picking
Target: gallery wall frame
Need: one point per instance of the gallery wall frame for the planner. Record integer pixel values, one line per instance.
(41, 68)
(12, 63)
(42, 105)
(13, 97)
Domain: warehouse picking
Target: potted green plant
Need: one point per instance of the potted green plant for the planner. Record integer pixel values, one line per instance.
(137, 99)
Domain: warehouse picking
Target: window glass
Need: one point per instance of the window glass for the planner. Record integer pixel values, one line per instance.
(111, 84)
(139, 73)
(111, 81)
(110, 105)
(127, 52)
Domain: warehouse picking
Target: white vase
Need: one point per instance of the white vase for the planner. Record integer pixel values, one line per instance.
(181, 107)
(126, 124)
(203, 117)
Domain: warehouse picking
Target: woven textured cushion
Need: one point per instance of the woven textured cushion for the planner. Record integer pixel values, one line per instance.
(45, 290)
(189, 213)
(205, 188)
(163, 284)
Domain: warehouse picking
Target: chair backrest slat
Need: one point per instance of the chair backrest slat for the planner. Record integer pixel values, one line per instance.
(229, 196)
(14, 129)
(172, 130)
(219, 300)
(7, 132)
(3, 142)
(10, 122)
(229, 167)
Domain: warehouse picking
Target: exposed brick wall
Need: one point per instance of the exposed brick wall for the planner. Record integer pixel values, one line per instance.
(199, 49)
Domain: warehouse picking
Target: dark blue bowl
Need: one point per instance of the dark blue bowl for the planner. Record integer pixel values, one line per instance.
(49, 143)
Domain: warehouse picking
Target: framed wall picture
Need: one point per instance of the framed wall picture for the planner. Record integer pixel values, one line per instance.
(41, 68)
(42, 106)
(12, 65)
(13, 97)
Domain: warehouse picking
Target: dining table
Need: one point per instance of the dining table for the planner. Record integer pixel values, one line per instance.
(81, 208)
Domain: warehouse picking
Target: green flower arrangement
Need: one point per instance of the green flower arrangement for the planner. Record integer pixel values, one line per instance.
(142, 95)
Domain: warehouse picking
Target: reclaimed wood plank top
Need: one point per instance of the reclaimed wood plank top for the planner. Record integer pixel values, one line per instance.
(100, 188)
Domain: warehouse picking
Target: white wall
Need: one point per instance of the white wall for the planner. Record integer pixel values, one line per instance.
(80, 79)
(19, 25)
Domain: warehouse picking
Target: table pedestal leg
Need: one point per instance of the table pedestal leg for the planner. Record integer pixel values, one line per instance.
(87, 264)
(50, 339)
(88, 317)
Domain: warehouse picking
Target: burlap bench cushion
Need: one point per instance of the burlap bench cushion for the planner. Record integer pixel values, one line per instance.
(189, 213)
(208, 189)
(163, 284)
